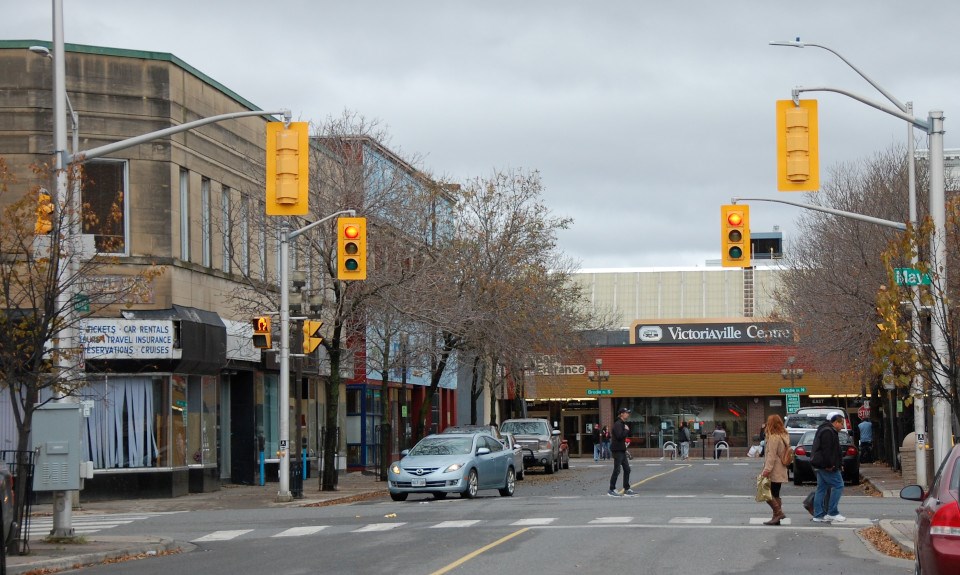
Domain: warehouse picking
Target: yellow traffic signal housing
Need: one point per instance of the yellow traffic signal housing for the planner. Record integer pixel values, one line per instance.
(735, 235)
(262, 336)
(351, 249)
(798, 154)
(310, 338)
(45, 209)
(288, 165)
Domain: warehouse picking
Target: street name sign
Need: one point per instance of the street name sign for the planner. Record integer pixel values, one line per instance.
(793, 390)
(599, 392)
(910, 277)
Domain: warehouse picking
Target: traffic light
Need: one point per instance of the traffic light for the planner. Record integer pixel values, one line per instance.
(288, 164)
(262, 337)
(352, 248)
(735, 235)
(798, 155)
(310, 338)
(45, 211)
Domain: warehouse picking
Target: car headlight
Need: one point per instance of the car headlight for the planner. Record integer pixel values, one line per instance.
(454, 467)
(395, 468)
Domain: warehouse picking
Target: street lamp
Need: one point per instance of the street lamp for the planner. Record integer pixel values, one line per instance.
(934, 129)
(600, 375)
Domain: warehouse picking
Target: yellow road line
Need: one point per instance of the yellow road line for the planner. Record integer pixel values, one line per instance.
(632, 485)
(470, 556)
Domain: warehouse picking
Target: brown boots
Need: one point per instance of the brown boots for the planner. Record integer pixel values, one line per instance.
(777, 505)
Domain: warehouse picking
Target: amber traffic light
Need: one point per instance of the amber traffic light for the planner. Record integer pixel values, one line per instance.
(352, 248)
(735, 235)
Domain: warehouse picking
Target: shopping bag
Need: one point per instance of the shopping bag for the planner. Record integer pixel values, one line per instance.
(763, 489)
(754, 451)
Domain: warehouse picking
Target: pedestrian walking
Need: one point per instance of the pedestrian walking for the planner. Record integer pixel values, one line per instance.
(866, 441)
(605, 443)
(684, 438)
(777, 449)
(597, 446)
(618, 447)
(763, 438)
(827, 461)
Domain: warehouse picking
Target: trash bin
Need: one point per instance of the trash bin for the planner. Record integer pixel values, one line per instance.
(296, 478)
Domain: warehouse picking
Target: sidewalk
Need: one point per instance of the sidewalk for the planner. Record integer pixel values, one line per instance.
(884, 480)
(98, 547)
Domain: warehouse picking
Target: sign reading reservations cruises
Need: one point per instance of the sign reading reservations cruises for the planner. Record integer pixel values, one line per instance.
(127, 339)
(710, 333)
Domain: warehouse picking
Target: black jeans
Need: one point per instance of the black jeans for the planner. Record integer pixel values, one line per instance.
(620, 460)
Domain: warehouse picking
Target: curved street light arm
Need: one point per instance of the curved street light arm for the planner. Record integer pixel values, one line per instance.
(854, 216)
(922, 124)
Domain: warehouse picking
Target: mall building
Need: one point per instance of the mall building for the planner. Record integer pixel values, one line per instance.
(698, 345)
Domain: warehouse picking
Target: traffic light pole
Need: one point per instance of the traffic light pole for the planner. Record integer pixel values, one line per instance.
(283, 494)
(854, 216)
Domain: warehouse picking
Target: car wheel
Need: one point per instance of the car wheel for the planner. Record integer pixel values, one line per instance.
(550, 467)
(796, 479)
(473, 485)
(917, 570)
(510, 485)
(398, 496)
(439, 494)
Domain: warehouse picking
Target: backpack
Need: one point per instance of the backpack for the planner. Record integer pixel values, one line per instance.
(786, 458)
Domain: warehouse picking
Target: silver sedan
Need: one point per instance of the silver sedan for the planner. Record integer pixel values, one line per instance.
(461, 463)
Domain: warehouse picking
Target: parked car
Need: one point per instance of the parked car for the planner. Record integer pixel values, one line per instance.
(541, 444)
(798, 423)
(803, 470)
(6, 503)
(937, 534)
(445, 463)
(510, 442)
(491, 429)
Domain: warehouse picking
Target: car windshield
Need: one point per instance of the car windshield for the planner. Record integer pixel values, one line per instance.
(808, 436)
(443, 446)
(525, 427)
(799, 421)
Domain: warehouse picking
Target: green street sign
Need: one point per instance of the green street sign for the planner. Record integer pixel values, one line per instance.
(793, 402)
(793, 390)
(599, 392)
(81, 302)
(910, 277)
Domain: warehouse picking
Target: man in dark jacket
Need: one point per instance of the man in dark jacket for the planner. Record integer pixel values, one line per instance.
(618, 447)
(827, 461)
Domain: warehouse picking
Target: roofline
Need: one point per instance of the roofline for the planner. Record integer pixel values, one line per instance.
(141, 54)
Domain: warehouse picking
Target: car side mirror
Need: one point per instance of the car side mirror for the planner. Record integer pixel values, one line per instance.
(555, 432)
(483, 450)
(405, 452)
(912, 493)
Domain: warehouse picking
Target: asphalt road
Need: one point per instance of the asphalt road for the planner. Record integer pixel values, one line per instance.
(690, 517)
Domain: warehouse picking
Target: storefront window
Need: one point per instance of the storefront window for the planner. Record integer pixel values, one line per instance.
(271, 417)
(655, 420)
(125, 428)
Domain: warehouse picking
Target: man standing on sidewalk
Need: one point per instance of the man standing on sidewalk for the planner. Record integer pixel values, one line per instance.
(618, 447)
(827, 461)
(684, 439)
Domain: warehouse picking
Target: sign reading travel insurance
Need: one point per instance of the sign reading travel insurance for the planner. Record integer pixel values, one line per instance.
(708, 333)
(127, 339)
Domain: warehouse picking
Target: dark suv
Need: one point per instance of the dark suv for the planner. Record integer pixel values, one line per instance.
(540, 443)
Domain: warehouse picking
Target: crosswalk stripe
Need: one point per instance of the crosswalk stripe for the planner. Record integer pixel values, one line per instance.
(533, 521)
(692, 520)
(610, 520)
(378, 527)
(223, 535)
(300, 531)
(455, 524)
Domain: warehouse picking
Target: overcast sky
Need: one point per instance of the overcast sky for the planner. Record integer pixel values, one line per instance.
(642, 117)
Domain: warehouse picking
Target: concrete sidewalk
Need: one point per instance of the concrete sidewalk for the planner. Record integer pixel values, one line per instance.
(98, 548)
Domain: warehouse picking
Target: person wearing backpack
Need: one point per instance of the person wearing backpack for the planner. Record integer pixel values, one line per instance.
(777, 456)
(684, 439)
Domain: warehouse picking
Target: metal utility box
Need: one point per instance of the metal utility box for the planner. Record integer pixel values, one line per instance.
(56, 437)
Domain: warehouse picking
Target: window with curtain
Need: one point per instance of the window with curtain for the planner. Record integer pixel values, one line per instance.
(121, 429)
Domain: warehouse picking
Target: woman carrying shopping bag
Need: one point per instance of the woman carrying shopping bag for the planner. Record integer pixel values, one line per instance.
(777, 455)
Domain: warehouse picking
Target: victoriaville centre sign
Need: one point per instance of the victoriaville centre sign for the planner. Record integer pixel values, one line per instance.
(652, 333)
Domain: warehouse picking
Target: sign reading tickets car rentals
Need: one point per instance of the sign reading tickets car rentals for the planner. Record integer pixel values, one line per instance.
(648, 333)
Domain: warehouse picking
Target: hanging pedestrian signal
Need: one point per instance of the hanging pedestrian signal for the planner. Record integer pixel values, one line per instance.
(798, 156)
(45, 209)
(262, 336)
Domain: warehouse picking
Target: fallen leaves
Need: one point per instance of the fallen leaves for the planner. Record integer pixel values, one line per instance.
(884, 543)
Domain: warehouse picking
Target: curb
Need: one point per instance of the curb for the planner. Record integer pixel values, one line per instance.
(160, 545)
(905, 545)
(882, 492)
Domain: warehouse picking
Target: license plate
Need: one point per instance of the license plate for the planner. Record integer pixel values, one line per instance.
(418, 482)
